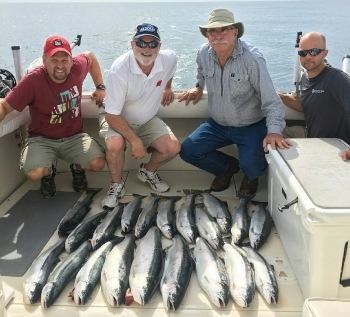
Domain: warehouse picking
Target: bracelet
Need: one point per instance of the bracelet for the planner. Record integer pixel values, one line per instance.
(101, 87)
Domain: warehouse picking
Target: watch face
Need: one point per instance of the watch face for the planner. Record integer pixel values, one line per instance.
(101, 87)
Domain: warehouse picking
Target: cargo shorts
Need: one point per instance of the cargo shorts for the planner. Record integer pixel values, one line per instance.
(42, 152)
(147, 132)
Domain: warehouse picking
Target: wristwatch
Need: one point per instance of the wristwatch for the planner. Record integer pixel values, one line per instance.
(101, 87)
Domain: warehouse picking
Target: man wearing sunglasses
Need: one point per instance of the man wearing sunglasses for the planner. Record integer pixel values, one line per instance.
(325, 92)
(244, 108)
(139, 82)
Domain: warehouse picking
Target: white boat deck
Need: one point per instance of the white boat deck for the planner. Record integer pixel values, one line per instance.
(195, 302)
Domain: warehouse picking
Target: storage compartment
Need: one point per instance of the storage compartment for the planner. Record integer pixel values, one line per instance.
(309, 200)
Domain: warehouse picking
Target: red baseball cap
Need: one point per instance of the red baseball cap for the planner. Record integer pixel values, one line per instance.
(56, 43)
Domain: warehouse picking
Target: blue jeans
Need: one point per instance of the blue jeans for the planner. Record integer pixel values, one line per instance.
(200, 148)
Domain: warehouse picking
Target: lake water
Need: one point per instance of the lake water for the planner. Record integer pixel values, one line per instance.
(108, 27)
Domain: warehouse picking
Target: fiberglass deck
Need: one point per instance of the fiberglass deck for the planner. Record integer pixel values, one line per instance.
(195, 302)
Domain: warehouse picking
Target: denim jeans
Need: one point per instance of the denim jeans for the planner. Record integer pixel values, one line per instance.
(200, 148)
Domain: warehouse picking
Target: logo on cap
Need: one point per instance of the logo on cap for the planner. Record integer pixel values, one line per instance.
(147, 29)
(57, 43)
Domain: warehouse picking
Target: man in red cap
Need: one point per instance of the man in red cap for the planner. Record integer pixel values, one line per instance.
(53, 93)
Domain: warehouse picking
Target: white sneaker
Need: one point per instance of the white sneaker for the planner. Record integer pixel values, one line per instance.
(115, 191)
(153, 179)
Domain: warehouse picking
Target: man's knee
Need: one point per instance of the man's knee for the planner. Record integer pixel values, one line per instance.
(253, 166)
(185, 150)
(37, 173)
(115, 145)
(97, 164)
(173, 148)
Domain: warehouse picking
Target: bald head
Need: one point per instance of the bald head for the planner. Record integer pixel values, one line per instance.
(313, 63)
(313, 39)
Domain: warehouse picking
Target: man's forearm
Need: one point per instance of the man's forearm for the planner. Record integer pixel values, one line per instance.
(5, 108)
(119, 124)
(95, 69)
(291, 101)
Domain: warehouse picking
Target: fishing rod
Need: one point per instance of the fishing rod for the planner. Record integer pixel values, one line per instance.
(297, 65)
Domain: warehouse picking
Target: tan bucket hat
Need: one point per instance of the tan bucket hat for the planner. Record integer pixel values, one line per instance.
(219, 18)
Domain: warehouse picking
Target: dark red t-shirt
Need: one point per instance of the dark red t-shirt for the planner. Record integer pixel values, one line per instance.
(55, 109)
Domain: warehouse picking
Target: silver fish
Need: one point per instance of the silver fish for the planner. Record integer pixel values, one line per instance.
(39, 271)
(147, 267)
(76, 214)
(218, 210)
(240, 221)
(90, 273)
(240, 274)
(147, 217)
(106, 228)
(63, 273)
(265, 278)
(211, 273)
(131, 213)
(260, 227)
(166, 217)
(83, 231)
(207, 227)
(177, 274)
(115, 271)
(185, 219)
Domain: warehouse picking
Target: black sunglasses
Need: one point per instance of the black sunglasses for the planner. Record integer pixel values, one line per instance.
(311, 52)
(143, 44)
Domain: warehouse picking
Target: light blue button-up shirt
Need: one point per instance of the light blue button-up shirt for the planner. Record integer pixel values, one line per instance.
(240, 93)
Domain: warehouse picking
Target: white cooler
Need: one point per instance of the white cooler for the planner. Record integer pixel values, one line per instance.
(326, 307)
(316, 228)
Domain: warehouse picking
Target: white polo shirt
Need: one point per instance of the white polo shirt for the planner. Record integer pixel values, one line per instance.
(132, 94)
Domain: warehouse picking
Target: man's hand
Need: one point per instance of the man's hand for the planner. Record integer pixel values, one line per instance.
(194, 94)
(345, 155)
(137, 149)
(168, 97)
(275, 140)
(98, 95)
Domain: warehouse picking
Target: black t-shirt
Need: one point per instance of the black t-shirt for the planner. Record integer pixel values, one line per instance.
(326, 104)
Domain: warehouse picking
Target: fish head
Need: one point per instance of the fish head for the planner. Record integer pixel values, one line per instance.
(48, 295)
(31, 292)
(217, 296)
(270, 294)
(109, 289)
(80, 293)
(170, 304)
(125, 227)
(167, 231)
(240, 297)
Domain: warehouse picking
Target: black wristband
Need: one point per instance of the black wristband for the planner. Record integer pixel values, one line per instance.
(101, 87)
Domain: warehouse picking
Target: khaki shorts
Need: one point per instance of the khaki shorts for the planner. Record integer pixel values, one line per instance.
(42, 152)
(148, 132)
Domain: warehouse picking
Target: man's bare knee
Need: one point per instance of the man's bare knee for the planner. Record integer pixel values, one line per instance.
(38, 173)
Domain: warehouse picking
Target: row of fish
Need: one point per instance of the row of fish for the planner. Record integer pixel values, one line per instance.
(118, 265)
(199, 215)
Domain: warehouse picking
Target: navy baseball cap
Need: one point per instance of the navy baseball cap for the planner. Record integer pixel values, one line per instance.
(147, 29)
